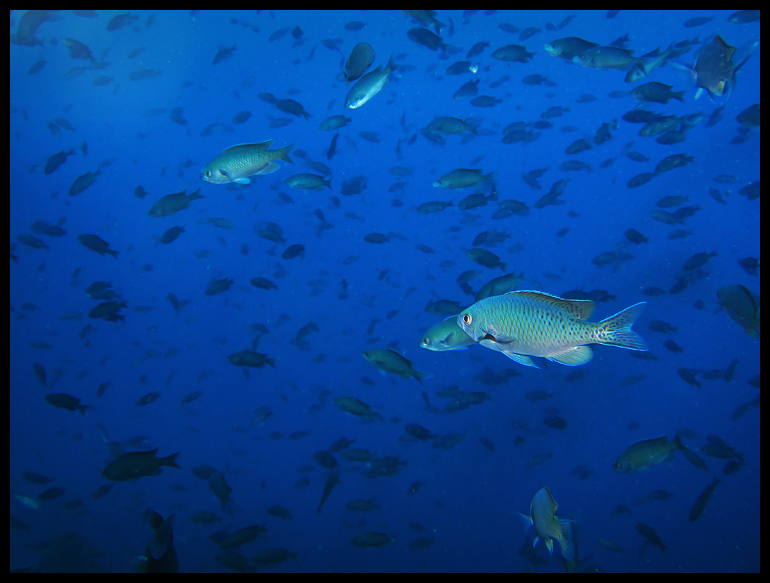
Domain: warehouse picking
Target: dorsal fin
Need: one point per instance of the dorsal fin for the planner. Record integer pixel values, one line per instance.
(580, 309)
(258, 146)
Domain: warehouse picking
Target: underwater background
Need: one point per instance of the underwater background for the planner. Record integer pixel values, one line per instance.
(144, 108)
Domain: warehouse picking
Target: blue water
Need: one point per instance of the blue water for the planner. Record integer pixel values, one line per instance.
(471, 496)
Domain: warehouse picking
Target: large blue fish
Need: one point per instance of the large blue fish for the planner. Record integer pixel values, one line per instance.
(521, 324)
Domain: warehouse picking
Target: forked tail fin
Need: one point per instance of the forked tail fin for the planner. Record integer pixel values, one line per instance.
(616, 330)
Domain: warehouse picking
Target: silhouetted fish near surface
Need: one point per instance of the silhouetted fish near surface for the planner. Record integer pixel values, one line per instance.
(65, 401)
(97, 244)
(427, 39)
(700, 504)
(360, 59)
(83, 182)
(121, 20)
(241, 537)
(372, 539)
(521, 324)
(57, 160)
(131, 466)
(512, 53)
(222, 54)
(78, 50)
(331, 481)
(250, 359)
(649, 533)
(656, 92)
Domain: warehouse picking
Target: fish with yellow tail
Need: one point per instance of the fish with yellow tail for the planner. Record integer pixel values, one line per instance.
(239, 162)
(521, 324)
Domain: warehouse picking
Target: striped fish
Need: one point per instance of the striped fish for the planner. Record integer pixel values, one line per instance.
(521, 324)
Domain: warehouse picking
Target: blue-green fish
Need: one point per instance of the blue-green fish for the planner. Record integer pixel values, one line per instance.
(647, 453)
(369, 85)
(239, 162)
(521, 324)
(446, 335)
(542, 515)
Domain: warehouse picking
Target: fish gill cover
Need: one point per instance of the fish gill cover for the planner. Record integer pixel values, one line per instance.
(262, 368)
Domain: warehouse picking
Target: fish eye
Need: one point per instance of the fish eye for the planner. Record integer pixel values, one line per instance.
(467, 319)
(208, 173)
(426, 341)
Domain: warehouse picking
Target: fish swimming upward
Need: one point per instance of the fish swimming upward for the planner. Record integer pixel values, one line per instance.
(521, 324)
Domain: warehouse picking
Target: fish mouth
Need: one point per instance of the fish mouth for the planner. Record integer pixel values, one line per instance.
(492, 338)
(486, 336)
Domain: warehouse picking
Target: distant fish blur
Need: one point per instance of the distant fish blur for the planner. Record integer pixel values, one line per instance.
(647, 453)
(222, 54)
(97, 244)
(160, 555)
(360, 59)
(239, 162)
(521, 324)
(739, 303)
(389, 361)
(173, 203)
(463, 178)
(56, 160)
(703, 500)
(138, 464)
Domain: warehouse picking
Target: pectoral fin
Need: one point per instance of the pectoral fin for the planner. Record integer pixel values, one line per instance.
(573, 357)
(270, 168)
(521, 359)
